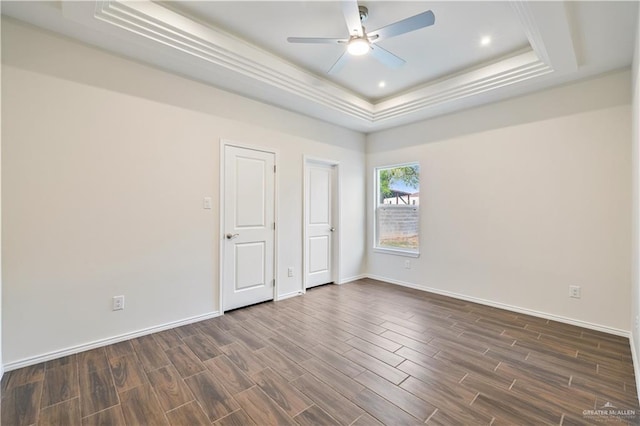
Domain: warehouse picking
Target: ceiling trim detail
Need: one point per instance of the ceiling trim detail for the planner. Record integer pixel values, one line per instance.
(157, 23)
(528, 23)
(500, 74)
(267, 77)
(554, 46)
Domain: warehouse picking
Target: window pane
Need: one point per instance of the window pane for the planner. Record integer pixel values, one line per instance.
(398, 227)
(397, 214)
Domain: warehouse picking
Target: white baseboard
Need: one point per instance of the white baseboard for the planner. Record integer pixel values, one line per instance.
(636, 364)
(1, 371)
(518, 309)
(104, 342)
(290, 295)
(350, 279)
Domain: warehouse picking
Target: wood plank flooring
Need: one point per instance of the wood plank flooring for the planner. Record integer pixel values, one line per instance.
(366, 353)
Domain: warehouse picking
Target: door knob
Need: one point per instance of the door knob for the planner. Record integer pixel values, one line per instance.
(332, 229)
(231, 236)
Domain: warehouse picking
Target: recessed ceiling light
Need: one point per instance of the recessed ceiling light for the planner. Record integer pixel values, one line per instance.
(382, 84)
(485, 41)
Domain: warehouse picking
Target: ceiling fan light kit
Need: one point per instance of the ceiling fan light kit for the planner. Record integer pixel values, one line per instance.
(358, 46)
(360, 43)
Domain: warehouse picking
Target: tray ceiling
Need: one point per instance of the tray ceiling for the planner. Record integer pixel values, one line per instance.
(241, 46)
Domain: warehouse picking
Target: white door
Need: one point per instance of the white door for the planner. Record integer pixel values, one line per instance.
(249, 227)
(319, 224)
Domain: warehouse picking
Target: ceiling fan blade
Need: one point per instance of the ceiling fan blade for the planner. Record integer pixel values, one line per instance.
(352, 17)
(340, 63)
(386, 57)
(316, 40)
(413, 23)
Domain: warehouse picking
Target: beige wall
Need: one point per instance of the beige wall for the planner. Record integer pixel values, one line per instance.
(1, 363)
(105, 163)
(635, 252)
(521, 199)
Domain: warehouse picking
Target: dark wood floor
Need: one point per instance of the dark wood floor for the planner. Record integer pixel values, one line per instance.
(358, 354)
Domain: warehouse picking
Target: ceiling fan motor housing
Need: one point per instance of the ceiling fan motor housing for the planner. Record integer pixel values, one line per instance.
(364, 13)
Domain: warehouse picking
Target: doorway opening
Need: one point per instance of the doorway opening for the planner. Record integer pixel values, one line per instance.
(321, 222)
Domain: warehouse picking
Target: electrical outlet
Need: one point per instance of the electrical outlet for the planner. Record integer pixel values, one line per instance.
(407, 264)
(118, 303)
(207, 203)
(290, 271)
(574, 291)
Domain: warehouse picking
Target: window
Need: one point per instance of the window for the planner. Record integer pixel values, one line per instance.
(398, 209)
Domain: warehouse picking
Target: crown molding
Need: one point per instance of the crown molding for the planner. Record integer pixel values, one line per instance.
(185, 45)
(157, 23)
(500, 74)
(547, 28)
(528, 24)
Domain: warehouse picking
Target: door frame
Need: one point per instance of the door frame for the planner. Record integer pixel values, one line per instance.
(336, 243)
(221, 230)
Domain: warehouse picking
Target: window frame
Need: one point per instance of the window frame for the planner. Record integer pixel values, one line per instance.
(376, 205)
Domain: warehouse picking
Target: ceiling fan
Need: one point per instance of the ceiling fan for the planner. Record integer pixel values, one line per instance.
(360, 42)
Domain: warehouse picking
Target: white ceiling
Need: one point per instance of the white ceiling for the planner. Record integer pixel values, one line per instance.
(449, 46)
(241, 46)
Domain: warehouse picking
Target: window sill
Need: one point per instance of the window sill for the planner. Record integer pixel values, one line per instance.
(395, 252)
